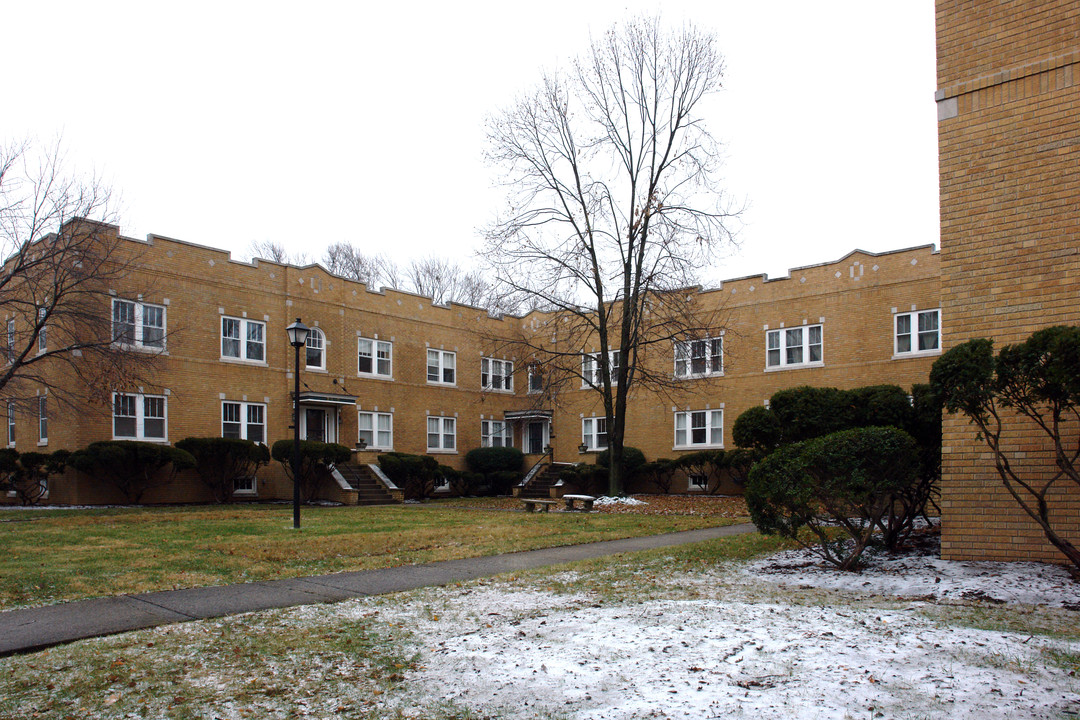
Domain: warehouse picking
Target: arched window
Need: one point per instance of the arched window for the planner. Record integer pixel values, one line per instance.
(316, 349)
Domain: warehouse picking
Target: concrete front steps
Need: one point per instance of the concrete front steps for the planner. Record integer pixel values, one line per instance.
(365, 485)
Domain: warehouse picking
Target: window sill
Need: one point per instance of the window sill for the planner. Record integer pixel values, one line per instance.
(682, 448)
(140, 348)
(375, 376)
(699, 376)
(442, 384)
(441, 452)
(42, 443)
(242, 361)
(159, 441)
(245, 493)
(800, 366)
(497, 390)
(916, 354)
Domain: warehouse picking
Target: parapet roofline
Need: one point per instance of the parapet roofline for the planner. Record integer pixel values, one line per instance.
(765, 277)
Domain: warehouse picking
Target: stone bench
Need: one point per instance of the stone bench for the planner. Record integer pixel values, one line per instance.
(532, 504)
(585, 500)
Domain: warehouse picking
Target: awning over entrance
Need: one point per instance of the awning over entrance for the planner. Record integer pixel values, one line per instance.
(527, 415)
(317, 398)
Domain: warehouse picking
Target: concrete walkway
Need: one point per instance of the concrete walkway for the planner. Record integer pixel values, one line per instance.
(38, 628)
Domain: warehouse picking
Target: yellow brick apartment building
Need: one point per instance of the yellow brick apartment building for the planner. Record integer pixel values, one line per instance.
(400, 373)
(1009, 151)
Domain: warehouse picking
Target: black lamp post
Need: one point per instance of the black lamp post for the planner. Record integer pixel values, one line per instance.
(298, 335)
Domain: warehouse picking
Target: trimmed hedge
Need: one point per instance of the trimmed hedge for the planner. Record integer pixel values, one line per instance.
(131, 466)
(849, 479)
(315, 457)
(220, 462)
(414, 474)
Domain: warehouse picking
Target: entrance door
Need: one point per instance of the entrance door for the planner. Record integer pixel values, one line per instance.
(315, 424)
(534, 437)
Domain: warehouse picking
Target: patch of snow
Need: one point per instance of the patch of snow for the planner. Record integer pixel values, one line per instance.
(927, 577)
(525, 654)
(606, 500)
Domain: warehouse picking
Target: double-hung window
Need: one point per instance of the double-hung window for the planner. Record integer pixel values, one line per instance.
(376, 429)
(594, 433)
(11, 340)
(699, 358)
(243, 339)
(917, 332)
(315, 357)
(43, 331)
(139, 417)
(243, 420)
(441, 434)
(793, 347)
(495, 433)
(699, 428)
(441, 365)
(11, 424)
(496, 374)
(137, 324)
(374, 357)
(43, 421)
(591, 375)
(536, 378)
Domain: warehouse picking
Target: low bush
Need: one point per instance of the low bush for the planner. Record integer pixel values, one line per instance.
(632, 460)
(220, 462)
(131, 466)
(414, 474)
(705, 463)
(315, 460)
(849, 480)
(500, 468)
(659, 473)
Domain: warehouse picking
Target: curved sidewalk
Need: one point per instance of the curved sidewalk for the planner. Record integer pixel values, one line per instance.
(38, 628)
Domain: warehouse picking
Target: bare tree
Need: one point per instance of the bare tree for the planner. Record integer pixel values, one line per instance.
(62, 260)
(445, 281)
(613, 206)
(275, 252)
(375, 271)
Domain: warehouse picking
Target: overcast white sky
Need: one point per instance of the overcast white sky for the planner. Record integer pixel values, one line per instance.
(311, 123)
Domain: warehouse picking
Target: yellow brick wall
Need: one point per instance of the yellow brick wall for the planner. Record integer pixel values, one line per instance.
(1009, 148)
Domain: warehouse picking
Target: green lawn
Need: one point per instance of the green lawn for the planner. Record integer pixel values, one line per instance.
(49, 556)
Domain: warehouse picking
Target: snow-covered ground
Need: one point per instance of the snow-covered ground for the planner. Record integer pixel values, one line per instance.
(731, 644)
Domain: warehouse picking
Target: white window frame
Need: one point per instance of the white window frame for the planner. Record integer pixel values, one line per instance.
(245, 486)
(712, 354)
(244, 340)
(497, 375)
(445, 433)
(140, 417)
(685, 426)
(592, 429)
(43, 332)
(11, 340)
(535, 374)
(496, 433)
(782, 340)
(140, 331)
(245, 420)
(375, 430)
(590, 368)
(11, 424)
(316, 342)
(692, 484)
(374, 355)
(442, 366)
(43, 420)
(914, 334)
